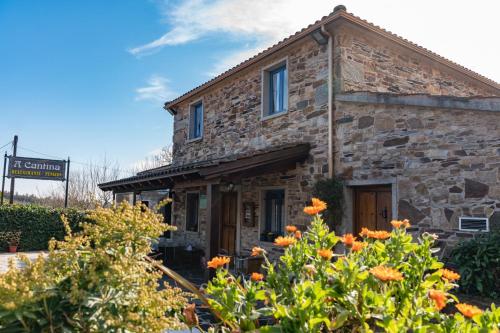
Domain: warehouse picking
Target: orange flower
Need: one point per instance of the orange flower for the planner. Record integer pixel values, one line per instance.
(358, 246)
(348, 239)
(325, 254)
(398, 224)
(298, 234)
(290, 228)
(310, 210)
(318, 203)
(256, 277)
(449, 275)
(217, 262)
(285, 241)
(382, 234)
(386, 273)
(317, 207)
(468, 310)
(257, 251)
(439, 298)
(364, 232)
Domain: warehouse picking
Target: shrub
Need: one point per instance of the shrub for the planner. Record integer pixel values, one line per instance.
(478, 261)
(382, 282)
(97, 280)
(331, 191)
(37, 224)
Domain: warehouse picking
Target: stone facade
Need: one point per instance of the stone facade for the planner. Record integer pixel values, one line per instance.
(233, 125)
(365, 62)
(445, 163)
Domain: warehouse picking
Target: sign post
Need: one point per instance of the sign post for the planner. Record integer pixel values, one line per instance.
(13, 180)
(38, 168)
(3, 177)
(33, 168)
(67, 184)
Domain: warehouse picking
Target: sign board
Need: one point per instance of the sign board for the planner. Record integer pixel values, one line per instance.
(36, 168)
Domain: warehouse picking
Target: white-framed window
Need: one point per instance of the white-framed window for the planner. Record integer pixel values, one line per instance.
(192, 211)
(273, 216)
(196, 121)
(275, 89)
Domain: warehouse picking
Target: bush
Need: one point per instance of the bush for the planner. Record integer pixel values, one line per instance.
(97, 280)
(331, 191)
(37, 224)
(382, 282)
(478, 261)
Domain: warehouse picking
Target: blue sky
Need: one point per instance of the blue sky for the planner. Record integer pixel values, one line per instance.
(88, 78)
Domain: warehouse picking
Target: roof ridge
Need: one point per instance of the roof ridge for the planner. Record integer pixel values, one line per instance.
(341, 13)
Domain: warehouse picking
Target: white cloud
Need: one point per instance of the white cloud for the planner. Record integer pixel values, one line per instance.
(259, 22)
(157, 90)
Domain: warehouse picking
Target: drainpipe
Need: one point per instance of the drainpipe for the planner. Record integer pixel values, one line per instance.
(330, 101)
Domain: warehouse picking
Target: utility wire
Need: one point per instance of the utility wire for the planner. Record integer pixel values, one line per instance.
(127, 172)
(5, 145)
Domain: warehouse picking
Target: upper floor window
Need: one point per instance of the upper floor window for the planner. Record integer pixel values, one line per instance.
(196, 121)
(275, 94)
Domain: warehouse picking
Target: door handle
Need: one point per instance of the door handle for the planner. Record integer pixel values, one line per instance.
(384, 213)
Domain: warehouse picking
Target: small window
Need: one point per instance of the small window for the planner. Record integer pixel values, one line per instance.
(275, 94)
(196, 121)
(192, 208)
(273, 214)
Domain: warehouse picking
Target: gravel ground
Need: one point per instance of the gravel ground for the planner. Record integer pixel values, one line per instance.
(4, 258)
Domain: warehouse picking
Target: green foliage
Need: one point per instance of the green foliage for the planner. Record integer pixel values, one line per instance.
(478, 261)
(37, 224)
(384, 283)
(98, 280)
(331, 191)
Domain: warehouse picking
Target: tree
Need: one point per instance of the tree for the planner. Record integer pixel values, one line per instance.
(159, 159)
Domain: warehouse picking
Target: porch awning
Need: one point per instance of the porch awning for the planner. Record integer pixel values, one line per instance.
(233, 167)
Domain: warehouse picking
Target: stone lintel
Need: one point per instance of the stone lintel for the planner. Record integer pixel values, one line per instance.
(491, 104)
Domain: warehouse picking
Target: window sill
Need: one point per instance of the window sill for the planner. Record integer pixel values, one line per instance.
(194, 139)
(272, 116)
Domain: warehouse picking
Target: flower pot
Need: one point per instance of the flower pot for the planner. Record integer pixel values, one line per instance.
(12, 248)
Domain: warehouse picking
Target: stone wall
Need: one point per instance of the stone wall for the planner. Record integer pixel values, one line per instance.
(232, 111)
(297, 194)
(365, 62)
(446, 163)
(181, 237)
(233, 126)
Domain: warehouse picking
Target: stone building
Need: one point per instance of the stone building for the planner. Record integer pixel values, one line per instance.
(411, 134)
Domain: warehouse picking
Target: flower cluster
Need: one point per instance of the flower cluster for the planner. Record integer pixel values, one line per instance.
(384, 282)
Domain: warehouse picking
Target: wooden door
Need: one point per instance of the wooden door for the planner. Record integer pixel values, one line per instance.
(229, 214)
(373, 208)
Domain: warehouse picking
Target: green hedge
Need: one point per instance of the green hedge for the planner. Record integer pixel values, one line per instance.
(37, 224)
(478, 262)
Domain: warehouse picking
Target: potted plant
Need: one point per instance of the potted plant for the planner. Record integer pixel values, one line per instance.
(13, 239)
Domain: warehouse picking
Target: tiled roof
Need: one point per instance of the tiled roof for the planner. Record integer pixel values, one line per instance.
(169, 171)
(335, 15)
